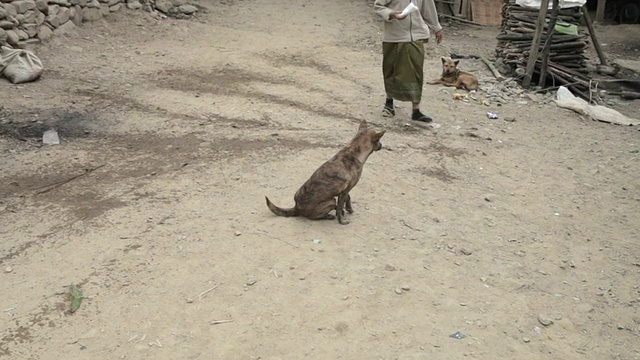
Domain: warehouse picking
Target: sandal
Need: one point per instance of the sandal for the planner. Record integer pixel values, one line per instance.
(388, 111)
(419, 116)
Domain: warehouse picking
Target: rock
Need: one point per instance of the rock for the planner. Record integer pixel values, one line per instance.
(64, 14)
(40, 18)
(94, 4)
(54, 20)
(42, 6)
(8, 269)
(134, 5)
(22, 6)
(53, 9)
(64, 3)
(45, 32)
(544, 320)
(251, 282)
(6, 25)
(76, 15)
(22, 35)
(489, 197)
(3, 13)
(12, 37)
(31, 29)
(114, 2)
(398, 291)
(533, 97)
(584, 308)
(390, 267)
(167, 5)
(3, 36)
(526, 339)
(405, 287)
(82, 3)
(29, 17)
(187, 9)
(66, 28)
(90, 14)
(104, 9)
(114, 8)
(27, 43)
(11, 10)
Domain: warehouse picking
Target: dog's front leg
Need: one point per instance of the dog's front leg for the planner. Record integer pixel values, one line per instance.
(347, 205)
(436, 82)
(342, 199)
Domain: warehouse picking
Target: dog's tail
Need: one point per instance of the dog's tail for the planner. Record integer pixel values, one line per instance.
(279, 211)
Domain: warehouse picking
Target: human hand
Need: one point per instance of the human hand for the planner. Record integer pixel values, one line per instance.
(439, 37)
(396, 15)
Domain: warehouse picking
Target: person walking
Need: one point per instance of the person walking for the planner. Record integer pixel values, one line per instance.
(404, 39)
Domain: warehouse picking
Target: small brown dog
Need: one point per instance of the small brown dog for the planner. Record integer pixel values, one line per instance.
(335, 178)
(451, 76)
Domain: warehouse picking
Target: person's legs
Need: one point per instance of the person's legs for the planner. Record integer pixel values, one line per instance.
(416, 57)
(389, 54)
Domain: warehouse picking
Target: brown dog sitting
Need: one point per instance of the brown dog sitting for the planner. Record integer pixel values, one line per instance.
(316, 198)
(451, 76)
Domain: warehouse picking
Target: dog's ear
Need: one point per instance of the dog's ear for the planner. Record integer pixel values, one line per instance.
(456, 62)
(363, 125)
(443, 59)
(377, 134)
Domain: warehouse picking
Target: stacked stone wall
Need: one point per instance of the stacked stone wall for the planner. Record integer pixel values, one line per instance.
(25, 22)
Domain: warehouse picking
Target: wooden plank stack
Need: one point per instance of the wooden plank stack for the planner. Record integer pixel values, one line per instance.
(567, 59)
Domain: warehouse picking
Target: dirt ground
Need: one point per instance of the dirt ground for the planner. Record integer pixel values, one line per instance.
(520, 233)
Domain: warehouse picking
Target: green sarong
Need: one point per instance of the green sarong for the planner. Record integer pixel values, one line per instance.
(402, 70)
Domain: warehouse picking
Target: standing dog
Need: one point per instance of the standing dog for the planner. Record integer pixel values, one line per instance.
(335, 178)
(451, 76)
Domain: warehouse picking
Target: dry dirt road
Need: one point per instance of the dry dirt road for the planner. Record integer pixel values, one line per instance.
(172, 132)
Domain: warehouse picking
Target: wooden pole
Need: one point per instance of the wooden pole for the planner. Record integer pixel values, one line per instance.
(551, 29)
(592, 33)
(535, 45)
(600, 10)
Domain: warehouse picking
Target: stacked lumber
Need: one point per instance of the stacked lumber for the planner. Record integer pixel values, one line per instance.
(567, 59)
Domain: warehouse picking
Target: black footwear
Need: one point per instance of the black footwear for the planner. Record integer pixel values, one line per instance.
(419, 116)
(388, 110)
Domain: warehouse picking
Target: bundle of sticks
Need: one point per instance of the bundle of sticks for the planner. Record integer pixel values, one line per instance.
(567, 62)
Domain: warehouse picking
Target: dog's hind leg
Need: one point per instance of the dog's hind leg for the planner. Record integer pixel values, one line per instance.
(342, 199)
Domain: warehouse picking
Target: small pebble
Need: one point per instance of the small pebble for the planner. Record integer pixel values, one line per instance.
(406, 288)
(544, 320)
(390, 267)
(398, 291)
(8, 269)
(237, 233)
(526, 339)
(251, 282)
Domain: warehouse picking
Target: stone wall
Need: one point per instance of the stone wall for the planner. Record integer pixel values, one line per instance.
(24, 22)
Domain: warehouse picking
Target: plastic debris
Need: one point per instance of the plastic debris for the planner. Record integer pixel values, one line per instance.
(492, 115)
(50, 137)
(457, 335)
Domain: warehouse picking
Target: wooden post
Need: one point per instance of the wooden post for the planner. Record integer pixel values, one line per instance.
(600, 10)
(592, 33)
(551, 29)
(535, 45)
